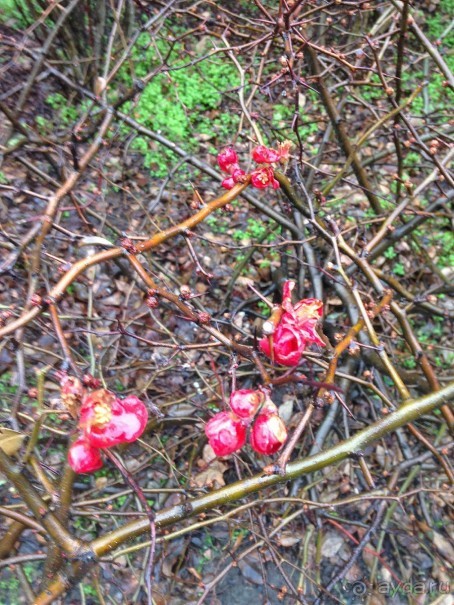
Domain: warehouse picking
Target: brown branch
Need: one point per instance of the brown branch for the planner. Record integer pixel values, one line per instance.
(186, 309)
(354, 445)
(430, 48)
(347, 340)
(79, 267)
(341, 133)
(62, 338)
(73, 547)
(369, 273)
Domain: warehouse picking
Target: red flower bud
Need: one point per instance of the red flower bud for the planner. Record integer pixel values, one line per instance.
(129, 245)
(226, 158)
(90, 381)
(265, 155)
(204, 317)
(107, 420)
(152, 302)
(268, 434)
(245, 402)
(226, 434)
(36, 300)
(83, 457)
(185, 292)
(268, 407)
(228, 183)
(71, 387)
(238, 175)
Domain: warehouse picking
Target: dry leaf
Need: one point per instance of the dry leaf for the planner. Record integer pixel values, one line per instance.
(123, 286)
(208, 456)
(211, 469)
(101, 482)
(95, 240)
(10, 441)
(114, 300)
(244, 281)
(286, 408)
(212, 475)
(383, 457)
(443, 546)
(288, 538)
(332, 544)
(238, 320)
(195, 573)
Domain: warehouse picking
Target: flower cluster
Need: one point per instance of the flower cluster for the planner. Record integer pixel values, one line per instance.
(263, 175)
(227, 431)
(291, 328)
(104, 421)
(228, 162)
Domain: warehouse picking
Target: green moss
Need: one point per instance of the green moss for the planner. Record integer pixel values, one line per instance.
(444, 240)
(15, 12)
(11, 587)
(438, 22)
(264, 308)
(399, 269)
(89, 590)
(373, 91)
(183, 105)
(6, 386)
(255, 230)
(440, 97)
(390, 253)
(409, 363)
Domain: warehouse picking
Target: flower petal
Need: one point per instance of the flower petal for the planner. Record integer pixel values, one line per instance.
(228, 183)
(226, 158)
(268, 434)
(110, 421)
(265, 155)
(226, 433)
(245, 402)
(83, 457)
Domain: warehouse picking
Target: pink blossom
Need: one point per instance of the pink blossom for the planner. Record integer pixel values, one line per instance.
(245, 402)
(265, 155)
(228, 183)
(285, 346)
(268, 434)
(83, 457)
(264, 177)
(284, 151)
(295, 329)
(227, 158)
(107, 420)
(226, 433)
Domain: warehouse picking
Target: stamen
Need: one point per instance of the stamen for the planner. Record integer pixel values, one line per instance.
(102, 414)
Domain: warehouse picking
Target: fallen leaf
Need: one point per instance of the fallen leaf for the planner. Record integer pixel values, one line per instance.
(208, 455)
(212, 475)
(443, 546)
(286, 408)
(10, 441)
(332, 544)
(288, 538)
